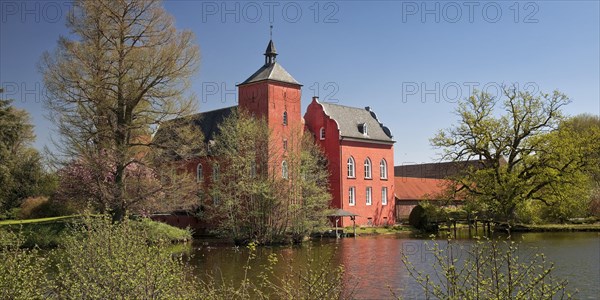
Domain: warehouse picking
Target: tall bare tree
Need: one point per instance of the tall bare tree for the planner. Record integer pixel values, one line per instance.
(126, 70)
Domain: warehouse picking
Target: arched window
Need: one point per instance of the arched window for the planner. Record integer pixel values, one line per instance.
(383, 169)
(368, 168)
(351, 167)
(284, 118)
(322, 133)
(284, 170)
(215, 172)
(199, 173)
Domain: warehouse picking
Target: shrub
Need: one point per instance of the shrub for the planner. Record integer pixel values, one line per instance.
(22, 271)
(103, 260)
(32, 204)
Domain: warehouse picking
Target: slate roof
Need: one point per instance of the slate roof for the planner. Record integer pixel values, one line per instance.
(440, 170)
(273, 71)
(208, 122)
(271, 48)
(350, 121)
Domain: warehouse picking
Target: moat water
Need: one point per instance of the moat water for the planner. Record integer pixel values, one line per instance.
(374, 266)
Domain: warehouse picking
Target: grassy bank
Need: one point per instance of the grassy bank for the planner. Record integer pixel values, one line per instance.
(556, 227)
(51, 232)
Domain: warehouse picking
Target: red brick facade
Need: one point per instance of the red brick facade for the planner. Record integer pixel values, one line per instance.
(273, 94)
(338, 151)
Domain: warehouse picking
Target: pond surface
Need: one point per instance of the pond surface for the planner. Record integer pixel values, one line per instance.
(374, 264)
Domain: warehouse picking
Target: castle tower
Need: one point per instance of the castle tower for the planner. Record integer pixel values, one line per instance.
(272, 93)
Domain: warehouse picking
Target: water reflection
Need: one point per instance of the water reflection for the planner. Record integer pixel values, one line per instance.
(374, 264)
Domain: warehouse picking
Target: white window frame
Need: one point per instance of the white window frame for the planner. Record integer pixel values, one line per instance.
(351, 164)
(322, 133)
(352, 196)
(368, 169)
(199, 175)
(252, 169)
(369, 195)
(284, 170)
(216, 172)
(384, 195)
(383, 169)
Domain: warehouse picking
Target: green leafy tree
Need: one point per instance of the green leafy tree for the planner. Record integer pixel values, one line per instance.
(524, 157)
(22, 174)
(125, 70)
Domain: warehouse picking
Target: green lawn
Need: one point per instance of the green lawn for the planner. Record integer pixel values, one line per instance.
(559, 227)
(42, 220)
(49, 232)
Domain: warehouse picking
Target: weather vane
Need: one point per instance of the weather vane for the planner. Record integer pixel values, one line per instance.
(271, 32)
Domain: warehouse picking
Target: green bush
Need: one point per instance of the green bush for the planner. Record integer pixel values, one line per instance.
(23, 272)
(103, 260)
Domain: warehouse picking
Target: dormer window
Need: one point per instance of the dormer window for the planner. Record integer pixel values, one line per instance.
(362, 128)
(322, 133)
(285, 118)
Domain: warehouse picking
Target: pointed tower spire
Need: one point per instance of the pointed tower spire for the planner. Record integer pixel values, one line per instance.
(270, 53)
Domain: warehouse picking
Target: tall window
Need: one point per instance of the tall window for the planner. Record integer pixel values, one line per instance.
(252, 169)
(199, 173)
(284, 144)
(284, 170)
(368, 168)
(352, 196)
(322, 133)
(351, 167)
(285, 118)
(369, 195)
(384, 195)
(216, 172)
(383, 169)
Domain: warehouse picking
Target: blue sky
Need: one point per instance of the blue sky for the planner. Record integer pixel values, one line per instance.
(407, 60)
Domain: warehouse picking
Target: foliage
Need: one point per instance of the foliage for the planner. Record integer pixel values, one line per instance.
(523, 155)
(160, 233)
(44, 207)
(418, 218)
(250, 200)
(51, 232)
(21, 171)
(486, 270)
(122, 71)
(23, 273)
(113, 260)
(101, 259)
